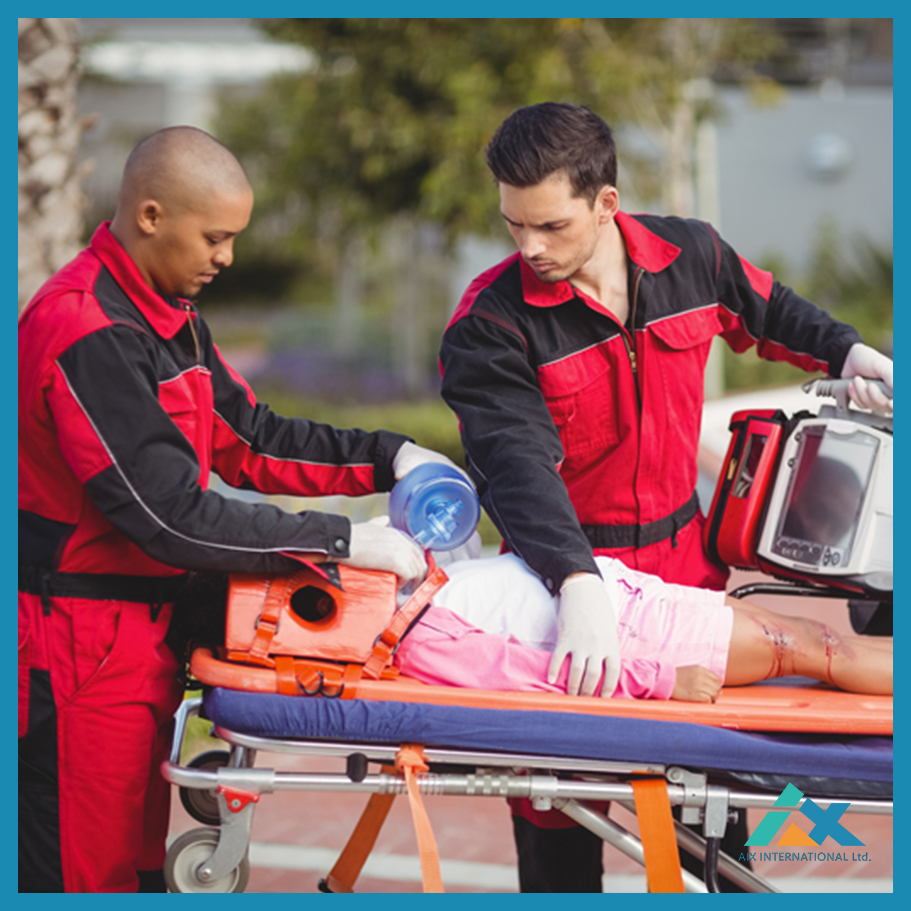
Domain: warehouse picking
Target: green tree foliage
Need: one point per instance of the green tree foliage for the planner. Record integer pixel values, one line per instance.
(852, 279)
(388, 129)
(394, 115)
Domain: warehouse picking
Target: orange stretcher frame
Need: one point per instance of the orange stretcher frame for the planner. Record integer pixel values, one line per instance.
(808, 709)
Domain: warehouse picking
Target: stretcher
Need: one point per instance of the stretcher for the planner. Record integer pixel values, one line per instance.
(772, 746)
(712, 761)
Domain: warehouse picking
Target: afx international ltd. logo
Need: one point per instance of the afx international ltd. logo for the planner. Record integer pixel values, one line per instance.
(826, 824)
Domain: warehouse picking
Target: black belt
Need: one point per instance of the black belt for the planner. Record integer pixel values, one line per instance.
(603, 537)
(34, 580)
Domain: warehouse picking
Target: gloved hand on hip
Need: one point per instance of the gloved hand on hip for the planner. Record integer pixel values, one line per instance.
(866, 362)
(381, 547)
(410, 455)
(587, 631)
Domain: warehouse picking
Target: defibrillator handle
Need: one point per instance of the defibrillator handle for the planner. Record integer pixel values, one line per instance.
(838, 389)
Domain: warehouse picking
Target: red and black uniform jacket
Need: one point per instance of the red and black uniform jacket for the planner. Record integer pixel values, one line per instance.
(582, 433)
(125, 406)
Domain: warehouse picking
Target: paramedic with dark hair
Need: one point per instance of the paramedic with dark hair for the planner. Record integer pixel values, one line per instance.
(576, 369)
(125, 406)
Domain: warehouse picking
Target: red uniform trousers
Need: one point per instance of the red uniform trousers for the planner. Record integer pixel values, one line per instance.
(100, 689)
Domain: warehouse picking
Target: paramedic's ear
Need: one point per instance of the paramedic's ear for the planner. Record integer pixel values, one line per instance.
(410, 455)
(866, 362)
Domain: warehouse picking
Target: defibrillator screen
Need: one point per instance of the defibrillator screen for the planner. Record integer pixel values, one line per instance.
(829, 479)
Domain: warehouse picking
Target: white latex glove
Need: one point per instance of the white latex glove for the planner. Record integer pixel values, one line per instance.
(410, 455)
(374, 545)
(586, 630)
(864, 361)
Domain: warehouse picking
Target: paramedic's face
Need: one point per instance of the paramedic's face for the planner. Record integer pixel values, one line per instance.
(556, 233)
(193, 246)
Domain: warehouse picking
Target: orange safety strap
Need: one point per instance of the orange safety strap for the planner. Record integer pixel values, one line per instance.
(408, 760)
(403, 618)
(354, 855)
(277, 591)
(656, 830)
(284, 671)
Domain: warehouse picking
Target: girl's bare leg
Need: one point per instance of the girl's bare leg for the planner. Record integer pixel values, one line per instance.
(765, 645)
(881, 642)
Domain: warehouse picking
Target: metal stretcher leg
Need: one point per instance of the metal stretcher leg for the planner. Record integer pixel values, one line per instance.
(616, 835)
(696, 846)
(726, 865)
(735, 835)
(706, 808)
(233, 838)
(714, 824)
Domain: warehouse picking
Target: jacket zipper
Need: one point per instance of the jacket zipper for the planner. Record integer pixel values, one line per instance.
(633, 362)
(631, 348)
(192, 331)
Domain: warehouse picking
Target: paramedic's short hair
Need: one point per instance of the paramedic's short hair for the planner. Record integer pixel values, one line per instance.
(541, 139)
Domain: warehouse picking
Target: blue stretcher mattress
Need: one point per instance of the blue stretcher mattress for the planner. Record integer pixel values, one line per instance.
(573, 736)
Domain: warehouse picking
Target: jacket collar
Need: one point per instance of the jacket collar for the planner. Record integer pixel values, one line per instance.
(643, 247)
(167, 315)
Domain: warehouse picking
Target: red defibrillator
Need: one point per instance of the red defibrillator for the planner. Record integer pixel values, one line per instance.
(808, 498)
(738, 506)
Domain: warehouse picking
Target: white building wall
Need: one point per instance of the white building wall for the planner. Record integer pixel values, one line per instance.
(784, 170)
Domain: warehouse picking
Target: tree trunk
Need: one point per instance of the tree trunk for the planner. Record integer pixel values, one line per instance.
(678, 161)
(409, 343)
(349, 296)
(51, 202)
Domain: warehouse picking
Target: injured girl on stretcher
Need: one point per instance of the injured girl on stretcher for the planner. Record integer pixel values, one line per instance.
(493, 626)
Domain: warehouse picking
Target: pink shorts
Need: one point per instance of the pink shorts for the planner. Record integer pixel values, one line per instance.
(679, 624)
(494, 626)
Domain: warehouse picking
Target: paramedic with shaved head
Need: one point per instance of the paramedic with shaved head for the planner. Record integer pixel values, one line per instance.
(576, 368)
(125, 408)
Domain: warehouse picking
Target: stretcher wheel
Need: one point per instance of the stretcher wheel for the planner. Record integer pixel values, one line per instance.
(188, 853)
(202, 803)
